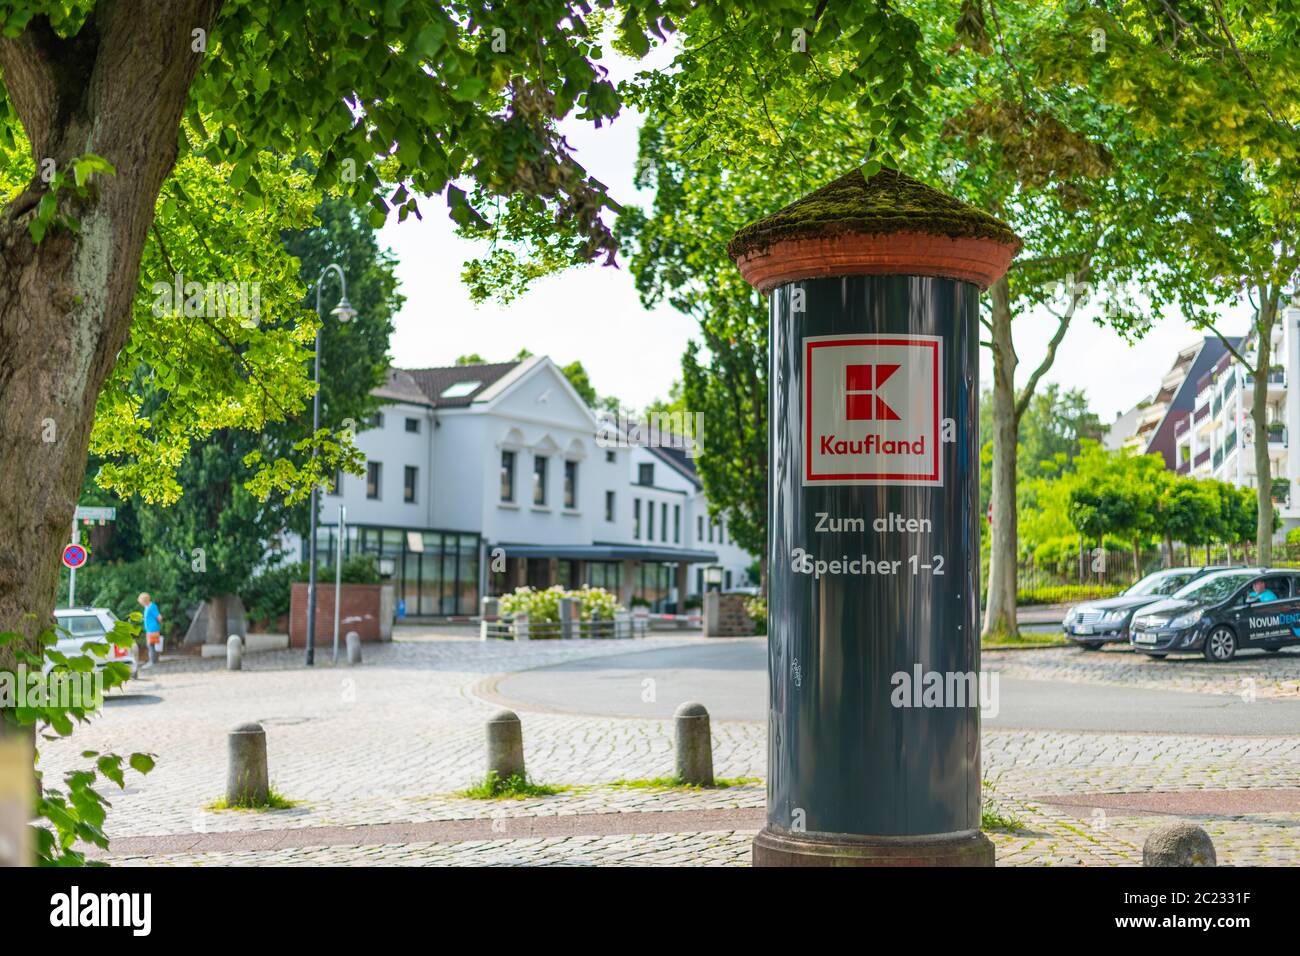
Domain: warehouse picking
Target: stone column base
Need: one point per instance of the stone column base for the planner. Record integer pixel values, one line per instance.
(772, 848)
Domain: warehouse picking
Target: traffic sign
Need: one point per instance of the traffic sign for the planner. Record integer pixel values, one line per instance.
(74, 556)
(85, 513)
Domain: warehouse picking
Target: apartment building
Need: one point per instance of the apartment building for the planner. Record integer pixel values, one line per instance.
(1217, 439)
(1150, 427)
(483, 478)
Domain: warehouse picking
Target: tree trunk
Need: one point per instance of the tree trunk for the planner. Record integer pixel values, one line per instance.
(1169, 550)
(1137, 559)
(1000, 606)
(1259, 415)
(116, 90)
(1207, 555)
(217, 614)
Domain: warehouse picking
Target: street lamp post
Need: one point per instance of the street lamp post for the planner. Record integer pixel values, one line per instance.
(344, 313)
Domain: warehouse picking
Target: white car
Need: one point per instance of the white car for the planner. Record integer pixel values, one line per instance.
(78, 626)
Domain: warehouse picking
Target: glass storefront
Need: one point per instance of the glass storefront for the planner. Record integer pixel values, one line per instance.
(605, 574)
(654, 583)
(434, 572)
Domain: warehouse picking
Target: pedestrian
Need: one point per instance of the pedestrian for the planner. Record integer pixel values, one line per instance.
(152, 626)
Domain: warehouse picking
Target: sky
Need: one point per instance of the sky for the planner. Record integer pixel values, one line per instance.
(593, 314)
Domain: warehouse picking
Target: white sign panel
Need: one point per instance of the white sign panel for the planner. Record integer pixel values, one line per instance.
(871, 409)
(84, 513)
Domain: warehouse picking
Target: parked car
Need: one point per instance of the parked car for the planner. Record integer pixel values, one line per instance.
(1094, 623)
(1222, 613)
(78, 626)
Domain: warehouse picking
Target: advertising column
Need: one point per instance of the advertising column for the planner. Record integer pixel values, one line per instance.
(873, 538)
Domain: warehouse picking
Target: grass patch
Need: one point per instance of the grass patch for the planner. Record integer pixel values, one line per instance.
(1025, 637)
(673, 783)
(992, 819)
(274, 801)
(514, 787)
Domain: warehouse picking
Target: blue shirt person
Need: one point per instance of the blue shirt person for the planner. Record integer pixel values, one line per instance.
(152, 626)
(1262, 593)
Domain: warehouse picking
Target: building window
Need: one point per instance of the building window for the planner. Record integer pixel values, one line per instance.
(650, 520)
(611, 457)
(609, 506)
(677, 524)
(663, 521)
(711, 526)
(636, 518)
(413, 426)
(646, 474)
(571, 485)
(507, 476)
(699, 527)
(374, 475)
(337, 484)
(408, 484)
(728, 580)
(539, 480)
(376, 420)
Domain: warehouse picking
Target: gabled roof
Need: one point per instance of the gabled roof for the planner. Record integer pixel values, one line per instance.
(399, 386)
(679, 461)
(433, 383)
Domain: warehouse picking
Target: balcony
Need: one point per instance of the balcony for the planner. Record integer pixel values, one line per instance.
(1182, 426)
(1185, 466)
(1281, 491)
(1201, 413)
(1202, 458)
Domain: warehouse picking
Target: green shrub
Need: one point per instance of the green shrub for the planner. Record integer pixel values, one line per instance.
(543, 607)
(116, 585)
(756, 608)
(1067, 593)
(1293, 536)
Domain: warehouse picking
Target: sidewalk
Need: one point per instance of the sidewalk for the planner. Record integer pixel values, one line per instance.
(1042, 613)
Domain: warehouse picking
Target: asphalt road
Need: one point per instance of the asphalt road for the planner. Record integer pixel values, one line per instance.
(730, 678)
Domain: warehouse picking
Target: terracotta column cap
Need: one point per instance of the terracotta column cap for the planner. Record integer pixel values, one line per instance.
(890, 224)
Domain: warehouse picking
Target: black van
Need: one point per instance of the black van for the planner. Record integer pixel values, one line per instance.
(1222, 613)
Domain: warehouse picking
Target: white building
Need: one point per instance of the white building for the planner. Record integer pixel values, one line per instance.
(1216, 439)
(483, 478)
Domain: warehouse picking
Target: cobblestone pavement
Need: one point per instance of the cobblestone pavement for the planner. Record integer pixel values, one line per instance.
(390, 742)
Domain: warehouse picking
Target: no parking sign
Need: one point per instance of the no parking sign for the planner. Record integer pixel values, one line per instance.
(74, 556)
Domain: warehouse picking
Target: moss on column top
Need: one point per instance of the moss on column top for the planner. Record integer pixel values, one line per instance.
(888, 202)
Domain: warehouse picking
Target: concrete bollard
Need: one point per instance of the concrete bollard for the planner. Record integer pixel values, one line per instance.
(354, 648)
(234, 653)
(568, 618)
(694, 745)
(622, 624)
(1178, 844)
(505, 745)
(491, 608)
(247, 783)
(520, 628)
(483, 630)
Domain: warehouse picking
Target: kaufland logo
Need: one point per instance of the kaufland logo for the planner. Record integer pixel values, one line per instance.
(871, 410)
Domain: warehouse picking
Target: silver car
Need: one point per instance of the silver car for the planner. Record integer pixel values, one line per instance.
(79, 626)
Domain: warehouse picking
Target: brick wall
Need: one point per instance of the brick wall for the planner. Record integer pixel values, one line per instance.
(725, 615)
(359, 610)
